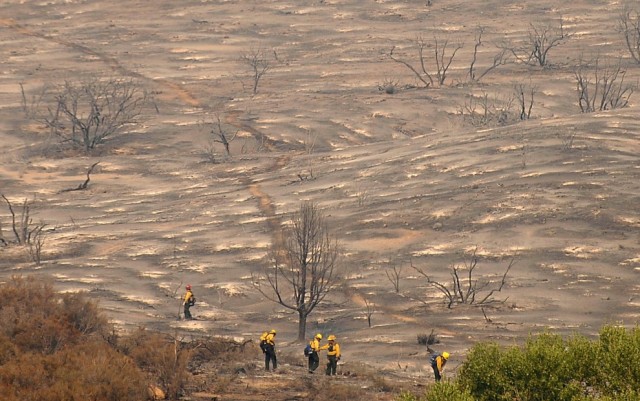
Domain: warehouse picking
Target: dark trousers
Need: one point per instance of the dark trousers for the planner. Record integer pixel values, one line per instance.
(436, 372)
(314, 361)
(270, 356)
(187, 312)
(332, 365)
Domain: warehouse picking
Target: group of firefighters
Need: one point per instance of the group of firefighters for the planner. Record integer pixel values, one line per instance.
(268, 346)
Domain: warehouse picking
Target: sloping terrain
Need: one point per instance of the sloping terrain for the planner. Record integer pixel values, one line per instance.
(404, 178)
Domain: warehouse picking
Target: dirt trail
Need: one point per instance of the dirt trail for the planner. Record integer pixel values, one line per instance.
(111, 62)
(231, 118)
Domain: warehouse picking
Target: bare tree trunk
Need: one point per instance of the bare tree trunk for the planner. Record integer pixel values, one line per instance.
(305, 264)
(302, 326)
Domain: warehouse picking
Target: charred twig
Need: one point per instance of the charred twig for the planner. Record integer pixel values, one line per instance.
(84, 185)
(486, 318)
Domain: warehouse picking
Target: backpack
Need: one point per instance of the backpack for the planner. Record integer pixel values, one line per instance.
(433, 358)
(192, 300)
(263, 342)
(307, 350)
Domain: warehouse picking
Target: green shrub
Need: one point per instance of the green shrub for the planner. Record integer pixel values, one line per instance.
(443, 391)
(546, 367)
(483, 373)
(618, 360)
(407, 396)
(549, 367)
(447, 391)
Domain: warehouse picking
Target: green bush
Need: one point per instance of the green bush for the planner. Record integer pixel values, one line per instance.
(443, 391)
(546, 367)
(618, 360)
(407, 396)
(549, 367)
(484, 373)
(448, 391)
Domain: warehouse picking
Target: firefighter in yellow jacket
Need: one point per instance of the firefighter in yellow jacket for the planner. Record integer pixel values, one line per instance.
(314, 359)
(188, 302)
(438, 361)
(333, 354)
(268, 346)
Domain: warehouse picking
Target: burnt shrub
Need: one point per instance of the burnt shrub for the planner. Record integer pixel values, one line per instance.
(53, 347)
(428, 339)
(37, 319)
(90, 371)
(163, 358)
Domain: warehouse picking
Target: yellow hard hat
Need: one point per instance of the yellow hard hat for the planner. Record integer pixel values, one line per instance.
(445, 355)
(272, 332)
(331, 337)
(319, 336)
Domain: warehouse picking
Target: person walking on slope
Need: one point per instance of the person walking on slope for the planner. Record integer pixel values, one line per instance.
(314, 359)
(268, 345)
(189, 301)
(437, 363)
(333, 355)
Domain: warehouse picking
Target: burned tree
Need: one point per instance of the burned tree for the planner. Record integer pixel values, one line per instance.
(25, 231)
(221, 132)
(629, 27)
(499, 58)
(394, 275)
(524, 95)
(541, 38)
(369, 310)
(86, 113)
(304, 264)
(468, 289)
(220, 135)
(443, 55)
(602, 87)
(258, 64)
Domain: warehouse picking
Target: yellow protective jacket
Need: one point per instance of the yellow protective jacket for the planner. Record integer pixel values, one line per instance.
(315, 345)
(440, 362)
(332, 350)
(188, 296)
(270, 339)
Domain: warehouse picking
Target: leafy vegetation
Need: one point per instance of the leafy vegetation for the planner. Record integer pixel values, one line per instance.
(548, 367)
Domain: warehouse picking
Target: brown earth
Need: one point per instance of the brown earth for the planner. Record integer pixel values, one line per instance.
(402, 177)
